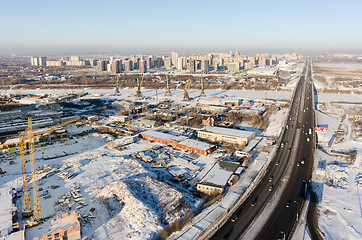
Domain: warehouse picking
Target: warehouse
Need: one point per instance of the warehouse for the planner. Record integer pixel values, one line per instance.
(162, 138)
(228, 135)
(197, 146)
(216, 179)
(10, 115)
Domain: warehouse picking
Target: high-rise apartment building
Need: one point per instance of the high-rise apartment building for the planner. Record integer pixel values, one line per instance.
(143, 66)
(101, 66)
(38, 61)
(174, 59)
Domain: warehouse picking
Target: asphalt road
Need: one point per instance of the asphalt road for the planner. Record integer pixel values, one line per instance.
(282, 221)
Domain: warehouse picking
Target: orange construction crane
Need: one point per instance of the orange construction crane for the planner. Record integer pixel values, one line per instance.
(37, 209)
(26, 201)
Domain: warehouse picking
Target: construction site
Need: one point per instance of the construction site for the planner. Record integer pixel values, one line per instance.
(127, 162)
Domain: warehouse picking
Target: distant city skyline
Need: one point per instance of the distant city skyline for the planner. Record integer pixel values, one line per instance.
(151, 27)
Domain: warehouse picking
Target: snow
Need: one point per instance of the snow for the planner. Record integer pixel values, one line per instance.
(228, 131)
(348, 67)
(196, 144)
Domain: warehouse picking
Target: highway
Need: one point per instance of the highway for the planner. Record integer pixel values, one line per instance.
(281, 222)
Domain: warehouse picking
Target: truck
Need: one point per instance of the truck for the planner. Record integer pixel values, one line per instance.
(310, 131)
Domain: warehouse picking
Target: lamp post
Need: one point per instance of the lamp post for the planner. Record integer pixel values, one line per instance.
(297, 210)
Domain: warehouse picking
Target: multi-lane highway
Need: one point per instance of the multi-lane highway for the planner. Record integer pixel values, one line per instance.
(297, 137)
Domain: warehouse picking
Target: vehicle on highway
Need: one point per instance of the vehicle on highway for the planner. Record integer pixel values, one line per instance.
(271, 178)
(282, 145)
(228, 234)
(308, 139)
(303, 160)
(290, 148)
(236, 216)
(310, 131)
(277, 163)
(271, 188)
(288, 204)
(254, 201)
(298, 164)
(287, 126)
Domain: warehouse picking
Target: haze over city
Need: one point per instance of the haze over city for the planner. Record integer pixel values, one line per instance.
(180, 120)
(74, 27)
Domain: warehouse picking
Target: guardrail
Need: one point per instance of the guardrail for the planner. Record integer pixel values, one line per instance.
(213, 227)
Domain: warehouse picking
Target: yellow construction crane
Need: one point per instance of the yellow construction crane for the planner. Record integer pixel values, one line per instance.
(26, 201)
(29, 137)
(51, 129)
(186, 89)
(117, 86)
(36, 209)
(139, 94)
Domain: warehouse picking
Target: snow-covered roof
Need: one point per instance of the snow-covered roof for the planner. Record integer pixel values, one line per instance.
(196, 144)
(228, 131)
(163, 136)
(220, 173)
(251, 145)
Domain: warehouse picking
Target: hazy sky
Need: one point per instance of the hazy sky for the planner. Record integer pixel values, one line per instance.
(40, 27)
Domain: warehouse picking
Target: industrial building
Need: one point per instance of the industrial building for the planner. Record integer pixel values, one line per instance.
(217, 178)
(181, 142)
(228, 135)
(10, 115)
(197, 146)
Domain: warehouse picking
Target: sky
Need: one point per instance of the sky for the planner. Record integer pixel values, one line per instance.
(86, 26)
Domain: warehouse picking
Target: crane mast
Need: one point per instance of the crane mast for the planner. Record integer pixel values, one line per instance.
(36, 209)
(26, 201)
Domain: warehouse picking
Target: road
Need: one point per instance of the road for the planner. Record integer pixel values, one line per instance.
(281, 222)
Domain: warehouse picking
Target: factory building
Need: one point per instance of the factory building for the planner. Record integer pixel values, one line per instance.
(218, 177)
(228, 135)
(10, 115)
(197, 146)
(181, 142)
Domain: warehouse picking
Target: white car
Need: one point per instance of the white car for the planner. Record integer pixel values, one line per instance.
(308, 139)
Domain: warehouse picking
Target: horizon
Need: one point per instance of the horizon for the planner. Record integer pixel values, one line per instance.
(92, 27)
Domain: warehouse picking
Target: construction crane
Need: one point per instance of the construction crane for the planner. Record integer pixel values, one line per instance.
(36, 209)
(186, 93)
(51, 129)
(202, 94)
(117, 87)
(26, 201)
(168, 92)
(139, 93)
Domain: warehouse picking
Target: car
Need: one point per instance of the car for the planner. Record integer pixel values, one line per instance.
(298, 164)
(271, 188)
(290, 148)
(303, 160)
(282, 145)
(308, 139)
(271, 178)
(254, 201)
(277, 163)
(287, 127)
(288, 204)
(236, 216)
